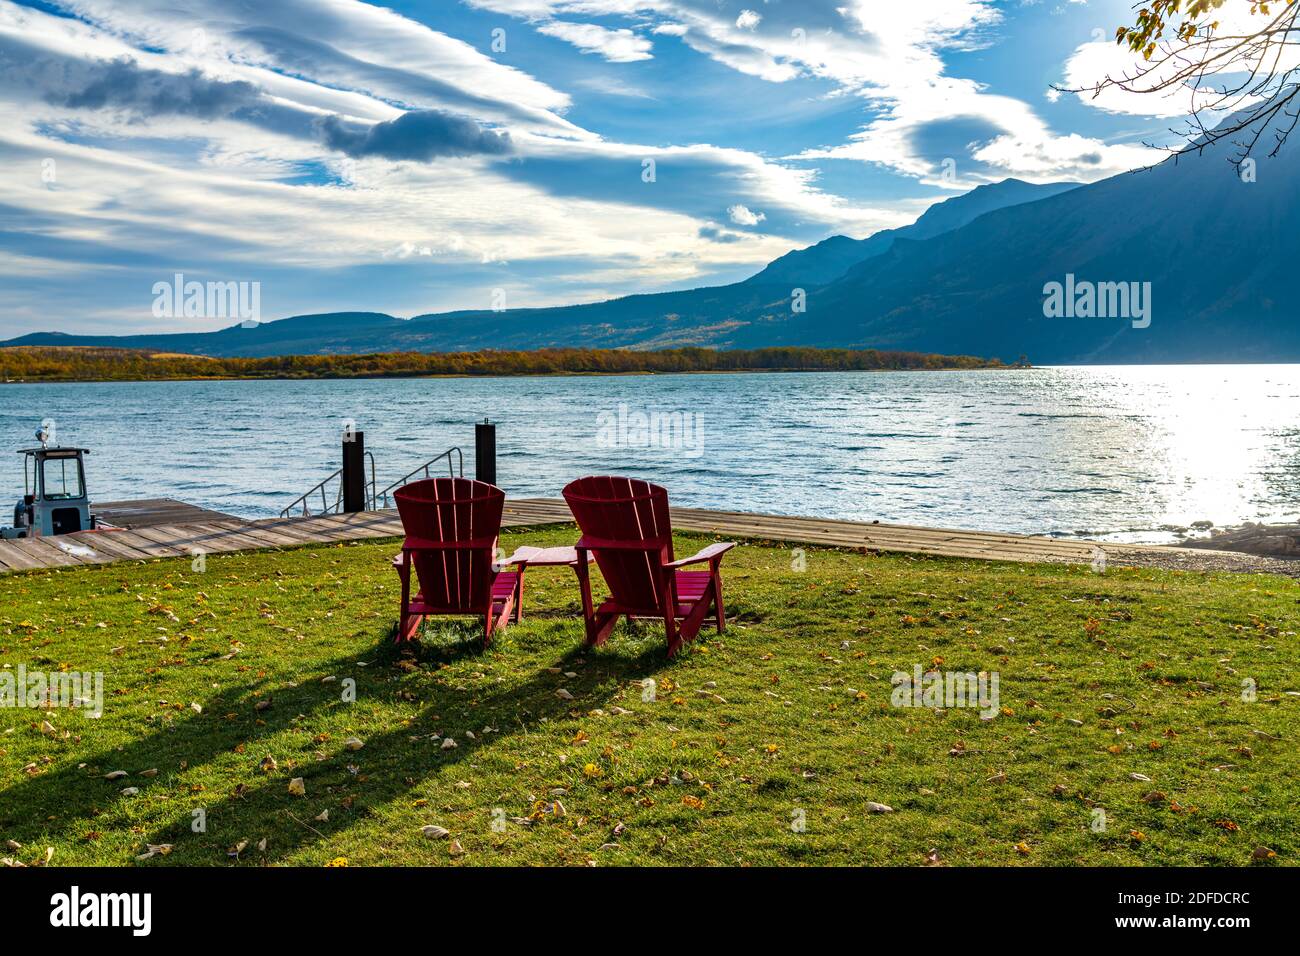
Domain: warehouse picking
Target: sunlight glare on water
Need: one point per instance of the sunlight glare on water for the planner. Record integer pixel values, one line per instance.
(1126, 453)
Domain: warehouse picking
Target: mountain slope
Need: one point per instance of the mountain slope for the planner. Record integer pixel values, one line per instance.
(831, 258)
(713, 316)
(962, 280)
(326, 333)
(721, 316)
(1208, 243)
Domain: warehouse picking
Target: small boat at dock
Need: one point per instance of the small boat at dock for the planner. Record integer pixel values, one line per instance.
(55, 500)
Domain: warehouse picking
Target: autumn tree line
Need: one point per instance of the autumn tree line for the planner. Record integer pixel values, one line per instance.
(55, 364)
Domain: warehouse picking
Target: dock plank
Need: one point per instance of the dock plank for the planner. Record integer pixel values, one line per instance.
(214, 533)
(354, 527)
(147, 512)
(48, 554)
(285, 529)
(323, 530)
(17, 557)
(239, 538)
(110, 542)
(148, 548)
(162, 541)
(266, 539)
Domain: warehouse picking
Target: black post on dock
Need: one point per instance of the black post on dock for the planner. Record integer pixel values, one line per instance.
(485, 452)
(354, 471)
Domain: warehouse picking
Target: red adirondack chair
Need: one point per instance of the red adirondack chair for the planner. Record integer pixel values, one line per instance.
(451, 527)
(625, 524)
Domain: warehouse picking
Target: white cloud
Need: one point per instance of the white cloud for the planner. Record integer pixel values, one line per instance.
(227, 189)
(742, 216)
(142, 192)
(1092, 63)
(459, 211)
(891, 55)
(1017, 142)
(343, 44)
(608, 85)
(854, 43)
(617, 46)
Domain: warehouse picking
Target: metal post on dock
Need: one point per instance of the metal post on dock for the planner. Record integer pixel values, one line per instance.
(354, 471)
(485, 451)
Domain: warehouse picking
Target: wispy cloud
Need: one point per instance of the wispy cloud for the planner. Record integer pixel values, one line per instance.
(617, 46)
(356, 157)
(891, 56)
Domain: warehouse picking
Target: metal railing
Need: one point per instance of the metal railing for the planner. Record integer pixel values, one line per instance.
(328, 507)
(374, 499)
(453, 471)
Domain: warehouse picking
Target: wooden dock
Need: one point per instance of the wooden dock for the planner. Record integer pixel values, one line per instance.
(148, 512)
(164, 529)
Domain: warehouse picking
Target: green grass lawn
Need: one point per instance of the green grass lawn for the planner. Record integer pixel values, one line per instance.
(785, 717)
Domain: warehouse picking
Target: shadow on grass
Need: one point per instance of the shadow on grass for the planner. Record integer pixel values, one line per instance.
(51, 804)
(76, 799)
(398, 761)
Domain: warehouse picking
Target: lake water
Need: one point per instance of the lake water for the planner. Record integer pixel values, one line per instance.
(1117, 453)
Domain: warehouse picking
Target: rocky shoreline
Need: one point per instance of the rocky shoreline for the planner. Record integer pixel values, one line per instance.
(1270, 541)
(1204, 559)
(1249, 548)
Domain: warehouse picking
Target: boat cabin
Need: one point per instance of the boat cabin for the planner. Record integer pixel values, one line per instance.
(54, 499)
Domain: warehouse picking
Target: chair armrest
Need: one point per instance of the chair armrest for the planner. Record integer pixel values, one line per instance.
(712, 553)
(523, 554)
(425, 544)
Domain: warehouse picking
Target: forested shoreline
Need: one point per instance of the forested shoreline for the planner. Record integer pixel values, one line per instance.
(80, 364)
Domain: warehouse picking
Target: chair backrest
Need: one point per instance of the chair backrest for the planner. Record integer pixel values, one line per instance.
(629, 511)
(447, 510)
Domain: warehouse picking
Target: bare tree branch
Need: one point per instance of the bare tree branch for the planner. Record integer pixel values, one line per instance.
(1249, 77)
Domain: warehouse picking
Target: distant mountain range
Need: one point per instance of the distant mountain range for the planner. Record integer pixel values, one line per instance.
(1185, 262)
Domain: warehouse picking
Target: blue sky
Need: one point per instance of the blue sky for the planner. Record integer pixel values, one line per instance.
(422, 157)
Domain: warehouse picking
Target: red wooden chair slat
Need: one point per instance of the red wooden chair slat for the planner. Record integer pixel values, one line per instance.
(452, 526)
(625, 524)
